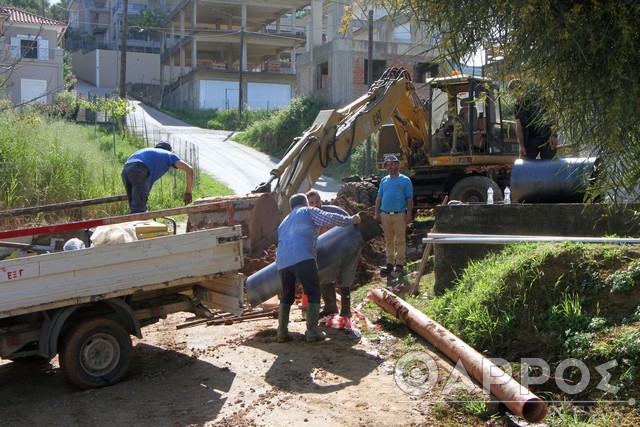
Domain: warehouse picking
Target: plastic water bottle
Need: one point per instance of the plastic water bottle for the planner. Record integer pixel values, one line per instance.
(507, 196)
(490, 196)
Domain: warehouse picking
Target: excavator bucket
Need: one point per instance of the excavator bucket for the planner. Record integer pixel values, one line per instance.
(257, 214)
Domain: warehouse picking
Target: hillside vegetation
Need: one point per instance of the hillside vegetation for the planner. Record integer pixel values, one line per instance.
(51, 160)
(275, 131)
(571, 308)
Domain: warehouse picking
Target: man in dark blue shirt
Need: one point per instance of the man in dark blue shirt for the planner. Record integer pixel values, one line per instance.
(144, 167)
(344, 272)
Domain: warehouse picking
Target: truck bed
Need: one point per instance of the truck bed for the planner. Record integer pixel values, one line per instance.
(208, 258)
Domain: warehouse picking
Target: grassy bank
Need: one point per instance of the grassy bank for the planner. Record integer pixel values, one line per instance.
(47, 161)
(571, 309)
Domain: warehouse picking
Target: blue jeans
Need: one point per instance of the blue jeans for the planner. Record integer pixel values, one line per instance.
(135, 177)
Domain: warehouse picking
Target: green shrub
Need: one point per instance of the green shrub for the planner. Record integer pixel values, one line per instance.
(50, 161)
(276, 133)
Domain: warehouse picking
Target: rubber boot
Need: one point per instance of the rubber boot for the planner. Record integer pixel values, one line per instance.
(283, 322)
(345, 308)
(313, 314)
(328, 292)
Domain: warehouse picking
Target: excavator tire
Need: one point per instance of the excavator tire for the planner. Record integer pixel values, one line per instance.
(473, 189)
(363, 193)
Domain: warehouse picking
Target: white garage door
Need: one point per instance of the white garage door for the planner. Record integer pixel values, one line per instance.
(218, 94)
(33, 90)
(267, 96)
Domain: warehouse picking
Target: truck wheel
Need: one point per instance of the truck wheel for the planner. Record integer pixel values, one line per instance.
(95, 353)
(474, 190)
(363, 193)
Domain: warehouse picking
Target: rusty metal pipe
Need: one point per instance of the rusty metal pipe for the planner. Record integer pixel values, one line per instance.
(515, 396)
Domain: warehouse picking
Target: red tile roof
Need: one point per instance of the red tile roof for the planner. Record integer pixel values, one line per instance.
(12, 14)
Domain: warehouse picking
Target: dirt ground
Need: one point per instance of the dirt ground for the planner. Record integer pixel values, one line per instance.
(230, 375)
(227, 375)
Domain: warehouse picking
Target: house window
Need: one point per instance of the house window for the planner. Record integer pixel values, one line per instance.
(402, 34)
(379, 68)
(323, 75)
(29, 49)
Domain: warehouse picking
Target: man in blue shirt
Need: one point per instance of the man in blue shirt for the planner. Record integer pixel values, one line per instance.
(296, 260)
(344, 273)
(394, 209)
(144, 167)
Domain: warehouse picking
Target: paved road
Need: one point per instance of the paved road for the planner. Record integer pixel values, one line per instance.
(238, 166)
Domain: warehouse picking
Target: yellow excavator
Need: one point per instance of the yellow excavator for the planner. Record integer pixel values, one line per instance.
(454, 143)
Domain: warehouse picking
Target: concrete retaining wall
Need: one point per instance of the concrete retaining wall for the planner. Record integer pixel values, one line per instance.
(521, 219)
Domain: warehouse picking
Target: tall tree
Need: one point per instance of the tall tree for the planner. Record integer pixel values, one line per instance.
(584, 55)
(33, 6)
(59, 11)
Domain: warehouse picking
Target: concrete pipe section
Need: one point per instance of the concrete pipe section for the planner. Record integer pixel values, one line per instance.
(332, 246)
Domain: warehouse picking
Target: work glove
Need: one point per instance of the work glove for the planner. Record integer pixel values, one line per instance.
(187, 198)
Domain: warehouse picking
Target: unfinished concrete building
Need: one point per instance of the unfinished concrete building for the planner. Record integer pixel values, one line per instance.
(218, 52)
(334, 66)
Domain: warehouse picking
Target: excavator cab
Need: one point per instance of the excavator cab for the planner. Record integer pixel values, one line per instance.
(466, 118)
(458, 125)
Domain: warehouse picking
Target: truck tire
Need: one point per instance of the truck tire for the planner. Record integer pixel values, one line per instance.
(95, 353)
(363, 193)
(473, 189)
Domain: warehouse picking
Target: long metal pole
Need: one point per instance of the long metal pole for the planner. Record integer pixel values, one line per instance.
(497, 239)
(205, 207)
(240, 101)
(369, 81)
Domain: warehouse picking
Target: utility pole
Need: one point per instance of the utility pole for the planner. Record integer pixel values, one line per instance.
(240, 79)
(369, 80)
(123, 55)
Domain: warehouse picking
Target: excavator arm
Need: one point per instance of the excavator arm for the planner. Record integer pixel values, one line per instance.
(335, 133)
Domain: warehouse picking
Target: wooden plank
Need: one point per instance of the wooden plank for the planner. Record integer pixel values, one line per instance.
(224, 294)
(63, 205)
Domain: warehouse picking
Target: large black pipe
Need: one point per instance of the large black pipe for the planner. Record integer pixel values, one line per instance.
(331, 247)
(552, 181)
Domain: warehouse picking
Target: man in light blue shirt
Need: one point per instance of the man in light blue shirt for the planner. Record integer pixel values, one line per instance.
(394, 209)
(296, 260)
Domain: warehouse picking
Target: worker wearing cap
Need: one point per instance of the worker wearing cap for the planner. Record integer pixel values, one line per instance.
(296, 260)
(144, 167)
(394, 206)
